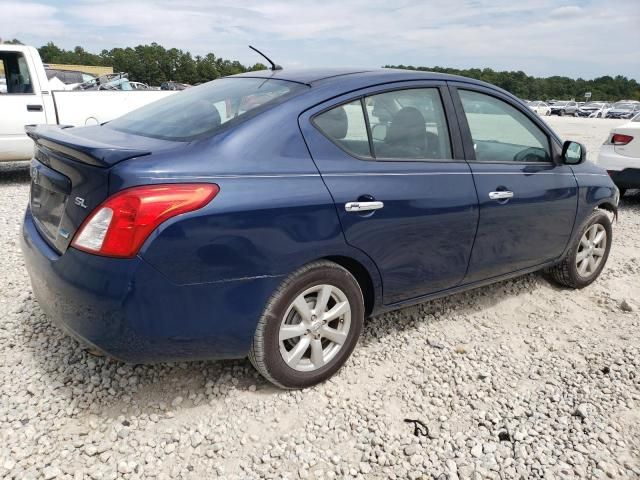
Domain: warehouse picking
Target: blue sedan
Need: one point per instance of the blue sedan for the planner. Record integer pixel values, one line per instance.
(268, 214)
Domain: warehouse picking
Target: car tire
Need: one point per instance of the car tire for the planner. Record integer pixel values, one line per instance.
(291, 324)
(570, 272)
(561, 113)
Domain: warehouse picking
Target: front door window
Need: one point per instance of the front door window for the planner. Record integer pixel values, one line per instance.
(502, 133)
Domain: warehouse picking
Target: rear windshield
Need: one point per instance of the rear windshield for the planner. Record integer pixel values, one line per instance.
(204, 110)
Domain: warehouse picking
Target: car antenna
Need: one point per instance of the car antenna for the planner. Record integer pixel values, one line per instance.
(273, 65)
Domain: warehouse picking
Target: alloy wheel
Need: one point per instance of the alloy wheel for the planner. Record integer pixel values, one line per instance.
(314, 328)
(591, 250)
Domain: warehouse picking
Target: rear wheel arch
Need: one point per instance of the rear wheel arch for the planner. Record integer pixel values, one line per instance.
(362, 276)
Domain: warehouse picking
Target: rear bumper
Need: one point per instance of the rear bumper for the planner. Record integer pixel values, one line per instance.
(130, 311)
(627, 178)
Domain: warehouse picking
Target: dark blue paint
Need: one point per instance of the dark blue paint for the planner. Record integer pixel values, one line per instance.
(130, 310)
(516, 233)
(201, 280)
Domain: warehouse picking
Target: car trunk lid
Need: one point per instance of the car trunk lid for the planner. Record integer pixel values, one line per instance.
(70, 175)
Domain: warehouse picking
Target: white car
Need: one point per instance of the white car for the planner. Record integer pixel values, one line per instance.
(540, 108)
(620, 155)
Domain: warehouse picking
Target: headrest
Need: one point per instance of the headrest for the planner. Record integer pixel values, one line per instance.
(334, 123)
(407, 125)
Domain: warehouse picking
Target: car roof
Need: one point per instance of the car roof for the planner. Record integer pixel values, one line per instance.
(314, 76)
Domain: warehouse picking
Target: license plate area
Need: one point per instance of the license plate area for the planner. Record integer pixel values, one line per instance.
(49, 193)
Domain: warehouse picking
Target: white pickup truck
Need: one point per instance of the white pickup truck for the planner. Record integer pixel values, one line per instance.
(27, 99)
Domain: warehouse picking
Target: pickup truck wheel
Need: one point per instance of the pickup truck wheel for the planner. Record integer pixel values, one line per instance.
(588, 255)
(309, 327)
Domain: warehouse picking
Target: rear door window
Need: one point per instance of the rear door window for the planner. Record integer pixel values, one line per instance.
(501, 132)
(345, 126)
(405, 124)
(408, 124)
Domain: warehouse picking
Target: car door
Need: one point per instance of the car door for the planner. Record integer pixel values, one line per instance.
(392, 160)
(527, 199)
(20, 105)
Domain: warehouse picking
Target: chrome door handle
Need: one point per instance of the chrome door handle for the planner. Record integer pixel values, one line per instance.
(362, 206)
(502, 195)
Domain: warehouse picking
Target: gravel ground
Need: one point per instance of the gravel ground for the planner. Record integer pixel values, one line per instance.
(517, 380)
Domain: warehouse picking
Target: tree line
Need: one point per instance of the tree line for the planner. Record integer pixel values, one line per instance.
(559, 88)
(154, 64)
(150, 64)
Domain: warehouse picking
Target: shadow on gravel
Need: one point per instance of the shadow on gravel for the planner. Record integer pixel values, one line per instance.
(630, 199)
(105, 387)
(14, 172)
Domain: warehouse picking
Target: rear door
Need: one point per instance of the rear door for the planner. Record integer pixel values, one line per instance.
(527, 201)
(392, 160)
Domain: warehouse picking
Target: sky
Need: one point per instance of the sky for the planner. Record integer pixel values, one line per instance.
(575, 38)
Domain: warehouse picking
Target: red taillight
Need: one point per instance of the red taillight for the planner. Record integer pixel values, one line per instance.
(119, 226)
(620, 139)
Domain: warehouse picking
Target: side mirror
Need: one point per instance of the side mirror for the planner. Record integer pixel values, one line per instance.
(573, 153)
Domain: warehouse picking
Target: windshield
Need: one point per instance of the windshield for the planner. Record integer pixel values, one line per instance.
(561, 104)
(203, 110)
(593, 105)
(624, 106)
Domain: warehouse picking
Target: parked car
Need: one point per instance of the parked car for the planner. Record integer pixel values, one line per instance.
(564, 108)
(593, 109)
(31, 99)
(620, 155)
(138, 86)
(540, 108)
(173, 86)
(182, 231)
(624, 110)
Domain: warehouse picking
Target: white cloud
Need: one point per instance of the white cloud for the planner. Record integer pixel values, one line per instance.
(545, 38)
(566, 12)
(20, 19)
